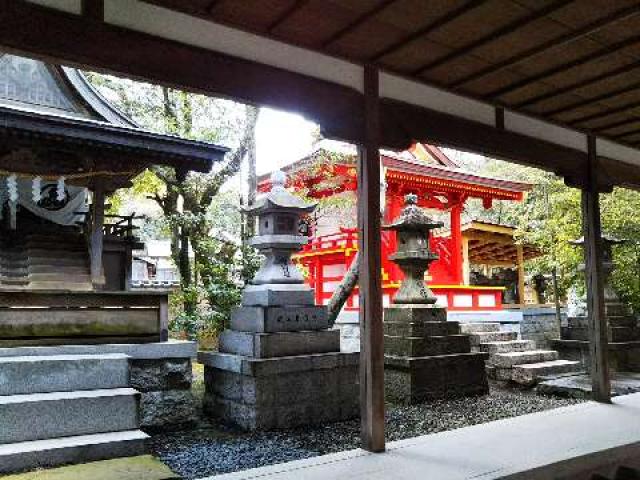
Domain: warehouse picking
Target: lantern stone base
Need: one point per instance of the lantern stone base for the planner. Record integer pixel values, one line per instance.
(427, 358)
(623, 334)
(416, 380)
(279, 393)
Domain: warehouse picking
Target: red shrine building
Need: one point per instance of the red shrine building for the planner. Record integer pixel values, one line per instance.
(443, 188)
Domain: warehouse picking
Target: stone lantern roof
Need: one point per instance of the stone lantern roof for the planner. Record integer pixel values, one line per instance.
(280, 199)
(413, 217)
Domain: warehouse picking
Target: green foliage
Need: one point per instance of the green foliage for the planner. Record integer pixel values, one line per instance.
(192, 214)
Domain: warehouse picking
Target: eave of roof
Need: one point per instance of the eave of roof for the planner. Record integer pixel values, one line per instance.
(151, 147)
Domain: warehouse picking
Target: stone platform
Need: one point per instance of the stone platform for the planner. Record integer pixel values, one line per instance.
(427, 358)
(579, 386)
(281, 392)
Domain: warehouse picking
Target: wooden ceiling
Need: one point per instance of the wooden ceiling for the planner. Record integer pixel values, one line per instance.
(574, 62)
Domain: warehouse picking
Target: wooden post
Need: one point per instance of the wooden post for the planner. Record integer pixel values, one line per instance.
(97, 236)
(520, 267)
(163, 318)
(598, 339)
(456, 243)
(371, 337)
(466, 265)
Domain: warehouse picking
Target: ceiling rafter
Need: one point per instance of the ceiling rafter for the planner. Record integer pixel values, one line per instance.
(493, 36)
(584, 59)
(357, 22)
(439, 22)
(569, 37)
(604, 113)
(588, 101)
(622, 136)
(577, 85)
(619, 123)
(295, 6)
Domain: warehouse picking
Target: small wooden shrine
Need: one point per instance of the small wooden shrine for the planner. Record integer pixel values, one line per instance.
(441, 185)
(63, 149)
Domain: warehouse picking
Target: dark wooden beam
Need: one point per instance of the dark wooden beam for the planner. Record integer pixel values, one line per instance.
(93, 9)
(588, 101)
(357, 22)
(582, 60)
(492, 36)
(295, 6)
(212, 6)
(31, 29)
(370, 300)
(438, 23)
(616, 124)
(568, 37)
(500, 118)
(605, 113)
(403, 124)
(625, 135)
(593, 248)
(572, 87)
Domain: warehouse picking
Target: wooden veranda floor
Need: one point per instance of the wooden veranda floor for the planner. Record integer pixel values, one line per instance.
(565, 443)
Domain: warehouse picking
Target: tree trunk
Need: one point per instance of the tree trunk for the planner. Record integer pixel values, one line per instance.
(252, 179)
(341, 294)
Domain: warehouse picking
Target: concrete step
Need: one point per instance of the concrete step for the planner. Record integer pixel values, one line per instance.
(23, 456)
(509, 360)
(507, 346)
(40, 416)
(486, 337)
(56, 285)
(529, 374)
(479, 327)
(62, 373)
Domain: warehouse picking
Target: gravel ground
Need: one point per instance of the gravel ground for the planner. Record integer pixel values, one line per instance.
(208, 449)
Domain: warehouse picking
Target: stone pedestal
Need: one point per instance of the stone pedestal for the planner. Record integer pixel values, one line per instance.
(427, 358)
(623, 333)
(622, 326)
(279, 366)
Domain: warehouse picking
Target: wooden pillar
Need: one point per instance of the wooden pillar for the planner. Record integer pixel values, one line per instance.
(466, 265)
(371, 337)
(97, 235)
(456, 243)
(520, 267)
(598, 339)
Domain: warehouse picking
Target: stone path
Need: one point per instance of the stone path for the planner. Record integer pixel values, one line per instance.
(569, 442)
(515, 360)
(144, 467)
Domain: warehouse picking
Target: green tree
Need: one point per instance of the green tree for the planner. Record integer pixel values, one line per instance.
(186, 198)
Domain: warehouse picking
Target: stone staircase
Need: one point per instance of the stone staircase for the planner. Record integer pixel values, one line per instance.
(45, 257)
(66, 409)
(514, 360)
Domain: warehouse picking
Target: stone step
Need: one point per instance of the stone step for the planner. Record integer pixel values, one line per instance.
(15, 457)
(509, 360)
(58, 261)
(41, 416)
(529, 374)
(57, 285)
(62, 373)
(485, 337)
(61, 276)
(507, 346)
(68, 269)
(479, 327)
(615, 334)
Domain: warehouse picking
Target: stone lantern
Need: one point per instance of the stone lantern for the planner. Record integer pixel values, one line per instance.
(414, 255)
(278, 281)
(426, 356)
(622, 326)
(607, 263)
(279, 365)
